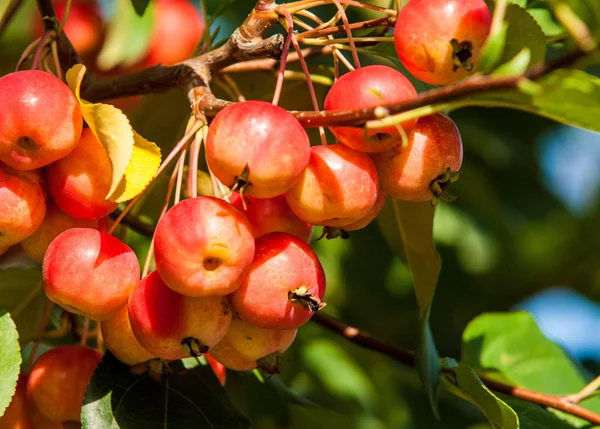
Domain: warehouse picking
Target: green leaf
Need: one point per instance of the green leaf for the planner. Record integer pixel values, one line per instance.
(186, 399)
(523, 32)
(532, 416)
(21, 293)
(128, 35)
(413, 227)
(465, 383)
(140, 6)
(568, 96)
(10, 359)
(546, 21)
(512, 346)
(493, 50)
(517, 66)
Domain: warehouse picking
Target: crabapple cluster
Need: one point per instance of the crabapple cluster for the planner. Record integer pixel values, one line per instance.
(40, 197)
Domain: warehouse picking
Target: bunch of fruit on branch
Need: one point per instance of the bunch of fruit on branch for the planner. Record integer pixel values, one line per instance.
(235, 275)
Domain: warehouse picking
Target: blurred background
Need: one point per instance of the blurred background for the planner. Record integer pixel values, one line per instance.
(524, 234)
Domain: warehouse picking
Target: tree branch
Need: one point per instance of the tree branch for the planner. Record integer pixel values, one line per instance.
(406, 357)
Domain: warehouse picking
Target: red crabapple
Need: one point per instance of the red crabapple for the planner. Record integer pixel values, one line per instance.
(440, 41)
(23, 204)
(119, 339)
(270, 215)
(284, 286)
(173, 326)
(257, 148)
(40, 119)
(177, 30)
(58, 380)
(429, 163)
(245, 345)
(370, 86)
(16, 416)
(84, 26)
(89, 272)
(369, 217)
(203, 247)
(338, 187)
(79, 182)
(53, 224)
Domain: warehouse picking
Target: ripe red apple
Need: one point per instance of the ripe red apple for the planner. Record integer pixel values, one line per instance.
(338, 187)
(58, 380)
(428, 164)
(284, 286)
(440, 41)
(40, 119)
(371, 216)
(79, 182)
(203, 247)
(84, 26)
(245, 344)
(16, 416)
(119, 339)
(370, 86)
(257, 148)
(270, 215)
(177, 30)
(89, 272)
(54, 223)
(23, 204)
(174, 326)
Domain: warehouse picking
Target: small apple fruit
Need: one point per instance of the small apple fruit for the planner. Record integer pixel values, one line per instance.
(89, 272)
(173, 326)
(40, 119)
(285, 284)
(58, 380)
(203, 246)
(23, 204)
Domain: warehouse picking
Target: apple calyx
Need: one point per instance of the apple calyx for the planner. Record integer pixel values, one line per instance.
(194, 347)
(461, 55)
(304, 298)
(439, 186)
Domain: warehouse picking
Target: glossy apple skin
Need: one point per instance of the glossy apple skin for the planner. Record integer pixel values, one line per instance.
(245, 344)
(434, 146)
(282, 263)
(16, 416)
(58, 380)
(161, 318)
(40, 119)
(55, 222)
(84, 26)
(119, 339)
(371, 216)
(370, 86)
(178, 29)
(270, 215)
(89, 272)
(203, 246)
(338, 187)
(23, 204)
(424, 29)
(265, 138)
(79, 182)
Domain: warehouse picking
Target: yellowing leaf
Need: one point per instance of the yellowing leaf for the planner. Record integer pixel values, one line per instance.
(145, 160)
(134, 159)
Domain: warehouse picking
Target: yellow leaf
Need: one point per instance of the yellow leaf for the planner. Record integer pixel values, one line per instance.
(145, 160)
(134, 159)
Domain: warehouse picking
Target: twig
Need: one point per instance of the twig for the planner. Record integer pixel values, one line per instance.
(590, 389)
(362, 339)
